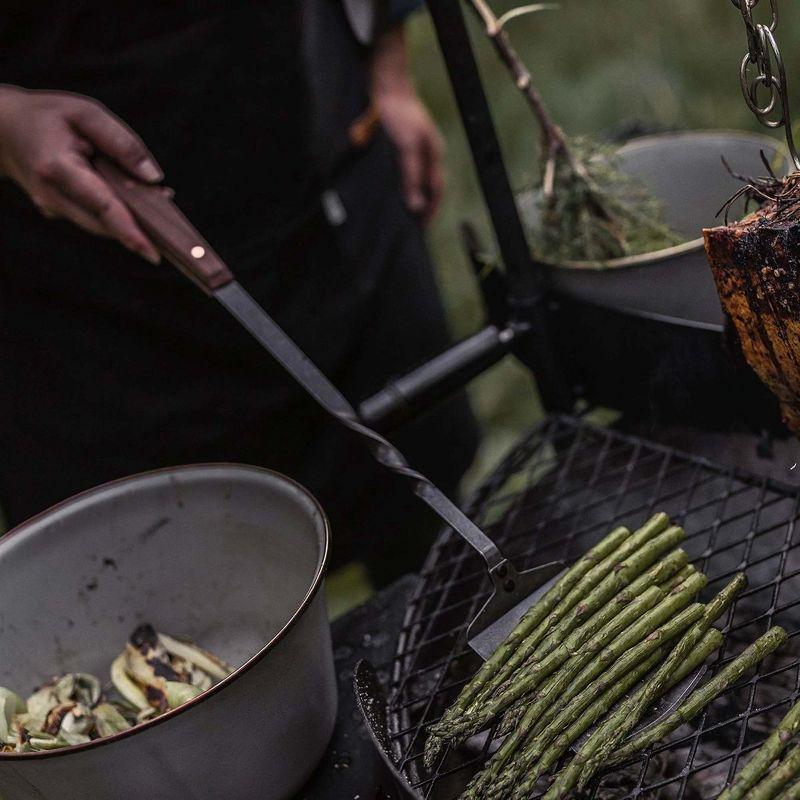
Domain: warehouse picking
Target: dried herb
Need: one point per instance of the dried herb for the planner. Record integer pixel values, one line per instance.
(590, 210)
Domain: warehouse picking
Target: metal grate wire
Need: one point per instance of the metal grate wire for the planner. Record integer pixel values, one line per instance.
(561, 489)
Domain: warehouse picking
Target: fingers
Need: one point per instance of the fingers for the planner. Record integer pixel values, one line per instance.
(422, 165)
(65, 208)
(82, 196)
(434, 152)
(412, 165)
(111, 136)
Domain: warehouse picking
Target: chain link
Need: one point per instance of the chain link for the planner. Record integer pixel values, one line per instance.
(762, 71)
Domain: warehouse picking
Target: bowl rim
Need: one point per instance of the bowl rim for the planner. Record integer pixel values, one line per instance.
(322, 564)
(690, 246)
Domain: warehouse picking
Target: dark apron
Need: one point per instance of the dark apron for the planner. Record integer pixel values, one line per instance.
(110, 366)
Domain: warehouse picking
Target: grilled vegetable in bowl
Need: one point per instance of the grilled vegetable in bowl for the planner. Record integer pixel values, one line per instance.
(153, 674)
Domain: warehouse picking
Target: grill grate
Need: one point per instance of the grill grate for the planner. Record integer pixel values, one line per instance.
(563, 487)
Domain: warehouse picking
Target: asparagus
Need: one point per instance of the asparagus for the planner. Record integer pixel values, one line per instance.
(581, 671)
(584, 587)
(663, 574)
(589, 664)
(552, 712)
(587, 708)
(791, 793)
(777, 778)
(633, 612)
(678, 579)
(701, 697)
(637, 706)
(586, 761)
(535, 674)
(478, 719)
(758, 765)
(617, 580)
(538, 612)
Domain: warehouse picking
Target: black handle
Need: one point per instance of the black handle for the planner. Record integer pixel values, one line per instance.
(266, 331)
(438, 379)
(526, 276)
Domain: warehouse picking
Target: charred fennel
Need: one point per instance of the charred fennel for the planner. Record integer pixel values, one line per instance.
(668, 619)
(588, 707)
(606, 737)
(590, 210)
(153, 674)
(759, 764)
(620, 577)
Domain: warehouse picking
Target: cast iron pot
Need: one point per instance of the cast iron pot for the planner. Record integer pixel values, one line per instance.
(232, 557)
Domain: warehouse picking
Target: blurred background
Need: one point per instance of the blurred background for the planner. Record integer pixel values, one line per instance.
(606, 69)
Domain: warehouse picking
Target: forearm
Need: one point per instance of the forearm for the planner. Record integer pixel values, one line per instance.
(8, 95)
(389, 71)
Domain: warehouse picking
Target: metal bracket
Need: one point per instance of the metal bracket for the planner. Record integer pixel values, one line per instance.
(526, 277)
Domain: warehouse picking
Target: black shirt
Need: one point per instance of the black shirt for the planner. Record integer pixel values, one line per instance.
(215, 88)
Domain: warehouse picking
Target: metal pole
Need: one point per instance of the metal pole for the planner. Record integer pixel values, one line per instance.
(526, 276)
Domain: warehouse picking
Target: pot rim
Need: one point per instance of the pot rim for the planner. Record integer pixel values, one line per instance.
(691, 246)
(313, 589)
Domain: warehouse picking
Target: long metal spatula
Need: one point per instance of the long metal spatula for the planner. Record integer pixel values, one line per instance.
(152, 206)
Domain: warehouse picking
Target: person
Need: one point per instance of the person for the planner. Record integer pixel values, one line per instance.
(112, 364)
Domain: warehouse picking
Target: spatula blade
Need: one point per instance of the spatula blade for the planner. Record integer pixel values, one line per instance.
(490, 636)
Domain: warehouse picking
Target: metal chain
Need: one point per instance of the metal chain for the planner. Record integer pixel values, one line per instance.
(762, 70)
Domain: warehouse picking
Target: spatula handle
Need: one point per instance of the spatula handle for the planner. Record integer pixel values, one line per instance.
(165, 224)
(177, 239)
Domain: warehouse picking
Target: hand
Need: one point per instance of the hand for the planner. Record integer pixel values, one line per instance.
(409, 125)
(46, 142)
(420, 147)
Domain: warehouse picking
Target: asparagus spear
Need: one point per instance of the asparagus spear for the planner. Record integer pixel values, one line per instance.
(586, 762)
(792, 792)
(762, 647)
(633, 612)
(612, 584)
(478, 719)
(513, 717)
(588, 664)
(584, 587)
(697, 701)
(638, 705)
(580, 671)
(777, 778)
(587, 708)
(758, 765)
(454, 717)
(539, 671)
(678, 579)
(538, 612)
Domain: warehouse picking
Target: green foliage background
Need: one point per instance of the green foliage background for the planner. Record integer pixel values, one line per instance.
(601, 65)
